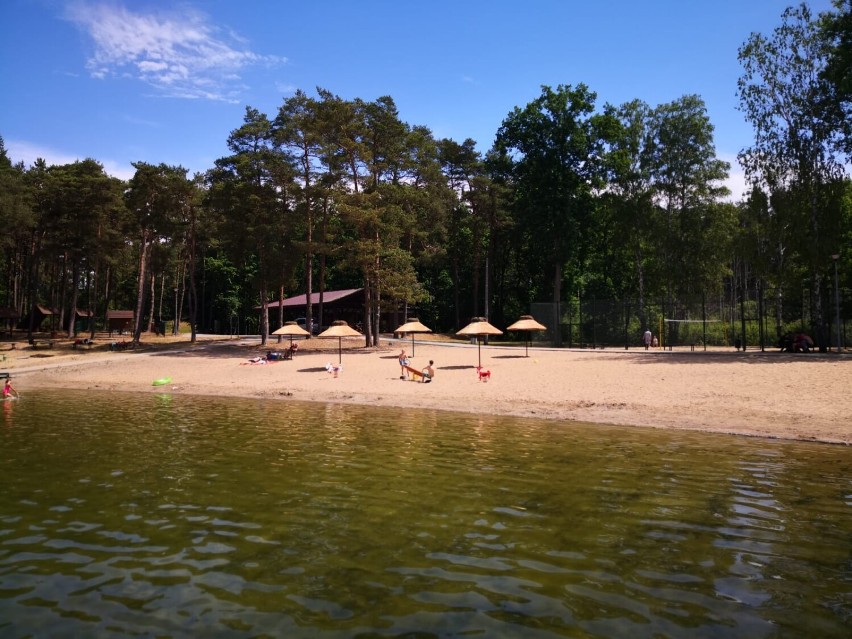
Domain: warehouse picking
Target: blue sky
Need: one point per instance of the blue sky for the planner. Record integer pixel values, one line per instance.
(161, 81)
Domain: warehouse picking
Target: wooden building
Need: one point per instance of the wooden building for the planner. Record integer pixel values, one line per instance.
(119, 321)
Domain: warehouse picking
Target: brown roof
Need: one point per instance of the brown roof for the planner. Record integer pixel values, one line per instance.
(301, 300)
(119, 314)
(46, 311)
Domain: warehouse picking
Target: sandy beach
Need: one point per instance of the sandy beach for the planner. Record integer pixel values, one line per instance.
(771, 394)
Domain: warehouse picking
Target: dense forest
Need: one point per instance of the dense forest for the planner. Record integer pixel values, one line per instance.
(599, 219)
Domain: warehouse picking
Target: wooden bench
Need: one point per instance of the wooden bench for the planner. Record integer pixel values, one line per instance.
(42, 343)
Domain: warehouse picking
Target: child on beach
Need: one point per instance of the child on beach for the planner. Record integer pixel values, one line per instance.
(403, 362)
(333, 369)
(8, 390)
(428, 373)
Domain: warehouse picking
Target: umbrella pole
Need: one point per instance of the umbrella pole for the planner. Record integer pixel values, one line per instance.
(339, 350)
(527, 344)
(412, 344)
(479, 350)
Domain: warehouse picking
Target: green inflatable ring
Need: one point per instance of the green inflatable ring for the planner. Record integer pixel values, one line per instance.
(162, 381)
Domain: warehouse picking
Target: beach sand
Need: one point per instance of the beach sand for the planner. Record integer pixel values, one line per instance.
(770, 394)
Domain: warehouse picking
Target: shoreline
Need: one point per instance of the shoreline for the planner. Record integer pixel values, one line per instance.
(804, 397)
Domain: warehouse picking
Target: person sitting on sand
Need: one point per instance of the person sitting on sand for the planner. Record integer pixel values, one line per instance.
(428, 373)
(333, 369)
(403, 362)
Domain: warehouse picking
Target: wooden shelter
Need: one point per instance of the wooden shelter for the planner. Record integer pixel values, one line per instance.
(8, 318)
(81, 320)
(39, 314)
(346, 304)
(119, 321)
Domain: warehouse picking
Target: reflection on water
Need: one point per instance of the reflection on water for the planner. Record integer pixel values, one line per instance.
(164, 516)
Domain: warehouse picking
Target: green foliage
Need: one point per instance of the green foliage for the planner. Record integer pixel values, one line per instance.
(836, 31)
(621, 205)
(800, 128)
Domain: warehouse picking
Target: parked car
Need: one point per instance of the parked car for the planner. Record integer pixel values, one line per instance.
(301, 321)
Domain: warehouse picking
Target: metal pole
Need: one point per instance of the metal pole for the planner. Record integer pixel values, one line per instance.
(836, 301)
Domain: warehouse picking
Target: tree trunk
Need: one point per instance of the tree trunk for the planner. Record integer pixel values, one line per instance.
(193, 293)
(140, 288)
(280, 310)
(322, 261)
(153, 284)
(557, 297)
(819, 316)
(819, 319)
(107, 295)
(92, 296)
(181, 294)
(162, 297)
(456, 293)
(72, 311)
(31, 288)
(640, 287)
(60, 301)
(264, 296)
(264, 315)
(368, 303)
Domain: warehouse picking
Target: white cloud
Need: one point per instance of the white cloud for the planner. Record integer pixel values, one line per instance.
(736, 181)
(285, 89)
(179, 52)
(28, 153)
(122, 171)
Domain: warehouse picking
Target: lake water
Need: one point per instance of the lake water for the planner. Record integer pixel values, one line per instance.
(159, 516)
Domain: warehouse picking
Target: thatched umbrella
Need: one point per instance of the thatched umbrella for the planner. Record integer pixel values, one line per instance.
(340, 329)
(413, 326)
(292, 329)
(527, 324)
(479, 327)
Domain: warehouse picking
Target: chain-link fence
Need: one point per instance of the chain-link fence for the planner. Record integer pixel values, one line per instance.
(756, 319)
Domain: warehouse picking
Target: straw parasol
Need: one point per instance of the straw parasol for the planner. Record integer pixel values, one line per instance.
(527, 324)
(413, 326)
(479, 327)
(340, 329)
(292, 329)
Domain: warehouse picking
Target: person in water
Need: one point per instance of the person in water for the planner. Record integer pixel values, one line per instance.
(8, 389)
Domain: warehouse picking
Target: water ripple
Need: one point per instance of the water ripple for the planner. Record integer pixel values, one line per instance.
(183, 517)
